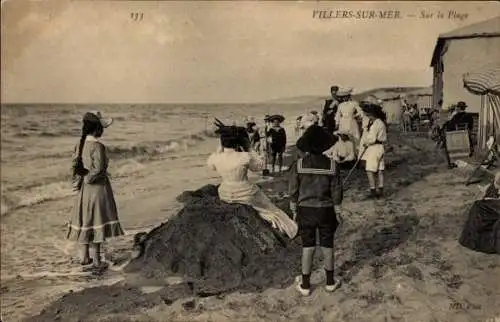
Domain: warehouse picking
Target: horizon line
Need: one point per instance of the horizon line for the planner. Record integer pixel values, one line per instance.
(268, 101)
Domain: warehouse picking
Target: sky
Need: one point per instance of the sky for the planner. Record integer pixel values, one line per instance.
(203, 52)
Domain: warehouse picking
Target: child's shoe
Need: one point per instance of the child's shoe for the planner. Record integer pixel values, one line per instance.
(300, 289)
(333, 287)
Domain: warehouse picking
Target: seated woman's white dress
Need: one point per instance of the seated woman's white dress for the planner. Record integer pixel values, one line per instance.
(233, 167)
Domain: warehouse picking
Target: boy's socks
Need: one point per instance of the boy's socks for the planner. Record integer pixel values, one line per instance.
(329, 277)
(306, 281)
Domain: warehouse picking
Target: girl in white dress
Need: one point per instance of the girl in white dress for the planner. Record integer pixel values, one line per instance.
(372, 148)
(232, 162)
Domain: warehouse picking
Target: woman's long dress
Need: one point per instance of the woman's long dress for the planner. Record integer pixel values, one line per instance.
(346, 120)
(233, 167)
(94, 216)
(481, 231)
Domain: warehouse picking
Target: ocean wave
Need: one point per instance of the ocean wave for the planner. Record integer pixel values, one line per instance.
(143, 151)
(150, 150)
(58, 189)
(131, 160)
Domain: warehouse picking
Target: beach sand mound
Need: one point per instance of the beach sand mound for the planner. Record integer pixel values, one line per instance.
(216, 246)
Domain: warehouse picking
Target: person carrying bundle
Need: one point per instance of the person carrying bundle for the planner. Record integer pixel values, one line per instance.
(372, 147)
(343, 152)
(315, 190)
(253, 135)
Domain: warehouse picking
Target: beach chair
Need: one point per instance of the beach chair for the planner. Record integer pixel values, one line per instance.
(458, 143)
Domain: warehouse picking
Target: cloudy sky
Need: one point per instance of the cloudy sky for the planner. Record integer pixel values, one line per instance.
(93, 52)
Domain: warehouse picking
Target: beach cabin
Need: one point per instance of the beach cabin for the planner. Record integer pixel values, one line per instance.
(458, 52)
(422, 98)
(392, 106)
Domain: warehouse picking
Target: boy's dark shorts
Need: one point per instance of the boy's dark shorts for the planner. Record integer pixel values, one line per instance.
(310, 219)
(277, 149)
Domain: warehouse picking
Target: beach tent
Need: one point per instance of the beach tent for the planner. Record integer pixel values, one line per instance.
(461, 51)
(485, 83)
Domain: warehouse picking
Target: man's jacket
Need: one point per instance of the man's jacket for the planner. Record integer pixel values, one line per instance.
(460, 118)
(314, 181)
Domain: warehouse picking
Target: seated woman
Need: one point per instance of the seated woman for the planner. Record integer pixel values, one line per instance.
(232, 161)
(482, 229)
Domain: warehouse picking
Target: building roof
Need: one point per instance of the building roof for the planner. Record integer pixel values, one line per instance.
(426, 91)
(483, 29)
(387, 95)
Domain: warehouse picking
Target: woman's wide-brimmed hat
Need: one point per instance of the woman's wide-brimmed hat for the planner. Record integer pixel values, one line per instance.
(276, 117)
(308, 120)
(344, 92)
(372, 109)
(316, 140)
(373, 100)
(95, 116)
(231, 136)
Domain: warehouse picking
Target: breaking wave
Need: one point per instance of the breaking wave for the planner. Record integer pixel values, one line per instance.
(131, 159)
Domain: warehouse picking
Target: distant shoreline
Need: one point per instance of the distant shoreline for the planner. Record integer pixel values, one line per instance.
(283, 100)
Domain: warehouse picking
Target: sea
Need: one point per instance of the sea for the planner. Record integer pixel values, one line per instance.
(37, 142)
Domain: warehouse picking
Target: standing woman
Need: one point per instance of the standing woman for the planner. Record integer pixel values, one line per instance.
(346, 116)
(372, 148)
(94, 217)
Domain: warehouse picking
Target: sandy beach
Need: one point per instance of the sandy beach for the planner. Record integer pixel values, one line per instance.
(399, 258)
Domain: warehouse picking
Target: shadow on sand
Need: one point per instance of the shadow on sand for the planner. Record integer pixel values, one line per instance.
(376, 241)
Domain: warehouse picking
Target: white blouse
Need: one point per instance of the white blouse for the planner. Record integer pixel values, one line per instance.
(377, 132)
(233, 167)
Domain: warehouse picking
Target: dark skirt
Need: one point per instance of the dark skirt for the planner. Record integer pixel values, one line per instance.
(95, 216)
(482, 229)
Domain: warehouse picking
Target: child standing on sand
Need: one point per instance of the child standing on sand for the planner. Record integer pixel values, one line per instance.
(277, 135)
(315, 189)
(372, 148)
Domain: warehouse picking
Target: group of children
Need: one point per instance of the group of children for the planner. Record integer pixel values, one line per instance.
(269, 140)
